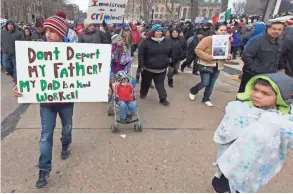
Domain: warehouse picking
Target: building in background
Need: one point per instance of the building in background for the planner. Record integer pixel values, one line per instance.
(173, 10)
(29, 11)
(286, 6)
(258, 6)
(73, 12)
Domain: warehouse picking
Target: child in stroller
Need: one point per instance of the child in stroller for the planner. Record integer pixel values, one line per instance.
(123, 94)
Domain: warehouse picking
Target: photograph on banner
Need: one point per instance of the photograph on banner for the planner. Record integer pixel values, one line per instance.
(111, 11)
(62, 72)
(220, 46)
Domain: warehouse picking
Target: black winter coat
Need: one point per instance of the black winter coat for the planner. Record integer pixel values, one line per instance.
(192, 46)
(262, 56)
(179, 48)
(286, 59)
(155, 55)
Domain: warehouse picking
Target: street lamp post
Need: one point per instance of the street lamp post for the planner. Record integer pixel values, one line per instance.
(153, 9)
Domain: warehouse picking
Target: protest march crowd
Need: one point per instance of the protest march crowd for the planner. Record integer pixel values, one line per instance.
(263, 100)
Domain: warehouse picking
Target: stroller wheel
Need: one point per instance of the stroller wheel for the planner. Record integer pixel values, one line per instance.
(115, 128)
(110, 112)
(140, 128)
(135, 128)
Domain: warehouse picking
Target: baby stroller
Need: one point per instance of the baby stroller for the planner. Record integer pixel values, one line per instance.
(114, 107)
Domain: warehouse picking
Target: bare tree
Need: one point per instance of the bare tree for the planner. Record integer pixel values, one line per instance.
(147, 7)
(170, 8)
(225, 5)
(194, 9)
(239, 7)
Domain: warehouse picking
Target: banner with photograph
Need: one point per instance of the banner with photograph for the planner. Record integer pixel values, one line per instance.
(50, 72)
(220, 46)
(111, 11)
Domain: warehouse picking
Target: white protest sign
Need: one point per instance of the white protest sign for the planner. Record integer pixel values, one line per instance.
(220, 46)
(111, 11)
(50, 72)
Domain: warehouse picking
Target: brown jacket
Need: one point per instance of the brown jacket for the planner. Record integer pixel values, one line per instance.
(204, 52)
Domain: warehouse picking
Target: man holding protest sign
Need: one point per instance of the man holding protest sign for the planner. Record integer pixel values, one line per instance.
(56, 29)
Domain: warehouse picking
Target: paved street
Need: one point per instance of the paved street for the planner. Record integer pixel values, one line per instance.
(174, 153)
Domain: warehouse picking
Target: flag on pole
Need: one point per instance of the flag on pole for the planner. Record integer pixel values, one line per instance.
(215, 19)
(224, 16)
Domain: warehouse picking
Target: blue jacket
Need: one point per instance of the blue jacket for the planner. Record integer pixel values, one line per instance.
(236, 40)
(259, 30)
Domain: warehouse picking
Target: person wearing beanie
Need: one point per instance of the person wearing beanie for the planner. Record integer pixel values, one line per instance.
(61, 14)
(71, 34)
(192, 43)
(55, 30)
(116, 38)
(207, 29)
(124, 95)
(121, 55)
(154, 57)
(118, 28)
(79, 30)
(188, 30)
(179, 48)
(93, 35)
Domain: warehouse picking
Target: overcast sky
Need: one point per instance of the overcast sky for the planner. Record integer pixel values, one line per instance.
(83, 4)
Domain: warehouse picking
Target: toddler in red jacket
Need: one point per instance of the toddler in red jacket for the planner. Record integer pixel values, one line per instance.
(124, 94)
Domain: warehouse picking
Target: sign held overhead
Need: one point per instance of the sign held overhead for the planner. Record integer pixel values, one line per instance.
(111, 11)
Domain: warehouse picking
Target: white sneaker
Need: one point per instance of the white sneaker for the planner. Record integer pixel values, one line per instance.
(191, 96)
(208, 103)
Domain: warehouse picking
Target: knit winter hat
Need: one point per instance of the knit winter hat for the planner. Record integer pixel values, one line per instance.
(157, 27)
(134, 26)
(116, 38)
(79, 27)
(57, 24)
(199, 31)
(61, 14)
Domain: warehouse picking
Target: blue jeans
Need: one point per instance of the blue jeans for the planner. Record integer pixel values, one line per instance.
(127, 108)
(9, 64)
(208, 81)
(48, 120)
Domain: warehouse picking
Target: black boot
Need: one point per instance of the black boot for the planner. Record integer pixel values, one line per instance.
(164, 102)
(65, 151)
(195, 72)
(182, 68)
(170, 83)
(43, 179)
(152, 86)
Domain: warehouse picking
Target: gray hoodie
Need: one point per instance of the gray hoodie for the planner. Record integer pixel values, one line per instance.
(8, 39)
